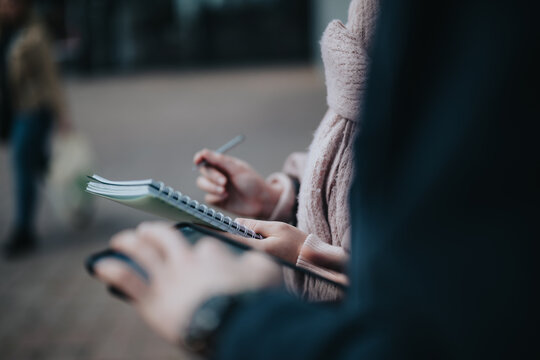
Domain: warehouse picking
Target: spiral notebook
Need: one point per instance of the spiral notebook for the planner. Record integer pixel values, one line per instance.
(161, 200)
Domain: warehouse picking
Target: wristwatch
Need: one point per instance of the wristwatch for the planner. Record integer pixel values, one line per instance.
(204, 326)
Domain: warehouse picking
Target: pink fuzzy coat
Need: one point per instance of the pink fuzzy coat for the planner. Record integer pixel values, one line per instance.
(325, 172)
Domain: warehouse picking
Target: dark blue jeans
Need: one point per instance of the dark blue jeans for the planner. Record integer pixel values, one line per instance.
(30, 139)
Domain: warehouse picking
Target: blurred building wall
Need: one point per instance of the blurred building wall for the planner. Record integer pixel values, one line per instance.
(116, 35)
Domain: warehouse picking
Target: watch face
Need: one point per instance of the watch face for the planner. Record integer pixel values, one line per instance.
(206, 321)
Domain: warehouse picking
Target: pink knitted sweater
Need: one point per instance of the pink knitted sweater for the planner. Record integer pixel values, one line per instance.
(325, 172)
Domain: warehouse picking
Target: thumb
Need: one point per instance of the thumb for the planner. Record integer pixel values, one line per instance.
(259, 226)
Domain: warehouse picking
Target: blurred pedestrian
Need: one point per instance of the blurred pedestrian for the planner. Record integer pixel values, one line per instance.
(31, 101)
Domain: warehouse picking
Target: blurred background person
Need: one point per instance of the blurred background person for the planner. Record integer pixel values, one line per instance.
(31, 101)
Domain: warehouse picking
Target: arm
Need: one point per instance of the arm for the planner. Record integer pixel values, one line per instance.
(279, 326)
(168, 301)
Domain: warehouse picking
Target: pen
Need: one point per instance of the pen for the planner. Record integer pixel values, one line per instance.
(223, 149)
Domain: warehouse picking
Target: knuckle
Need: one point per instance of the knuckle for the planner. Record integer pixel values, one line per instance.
(214, 174)
(120, 238)
(201, 181)
(207, 246)
(282, 226)
(210, 199)
(144, 227)
(251, 224)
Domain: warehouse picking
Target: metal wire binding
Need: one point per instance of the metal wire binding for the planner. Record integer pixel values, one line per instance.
(178, 195)
(186, 199)
(242, 229)
(161, 186)
(170, 192)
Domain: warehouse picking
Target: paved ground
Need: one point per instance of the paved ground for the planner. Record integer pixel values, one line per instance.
(143, 126)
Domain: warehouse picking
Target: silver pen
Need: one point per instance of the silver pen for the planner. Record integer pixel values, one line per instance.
(223, 149)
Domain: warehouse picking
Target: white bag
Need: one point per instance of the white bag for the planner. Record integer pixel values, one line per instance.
(71, 162)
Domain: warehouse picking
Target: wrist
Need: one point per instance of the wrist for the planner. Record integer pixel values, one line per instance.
(200, 335)
(269, 201)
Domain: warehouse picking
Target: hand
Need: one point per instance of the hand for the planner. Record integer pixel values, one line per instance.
(286, 242)
(280, 239)
(182, 277)
(234, 186)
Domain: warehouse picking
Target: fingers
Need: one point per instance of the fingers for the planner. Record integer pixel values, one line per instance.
(214, 199)
(214, 176)
(252, 243)
(229, 164)
(165, 239)
(263, 269)
(151, 245)
(249, 223)
(209, 247)
(129, 243)
(122, 277)
(210, 187)
(265, 228)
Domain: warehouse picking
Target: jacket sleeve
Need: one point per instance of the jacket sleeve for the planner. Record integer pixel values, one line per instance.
(278, 326)
(325, 259)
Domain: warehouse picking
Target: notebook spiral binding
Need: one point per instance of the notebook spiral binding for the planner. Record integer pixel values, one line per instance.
(206, 211)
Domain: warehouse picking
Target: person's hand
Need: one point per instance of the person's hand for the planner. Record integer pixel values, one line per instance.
(280, 239)
(181, 276)
(286, 242)
(233, 185)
